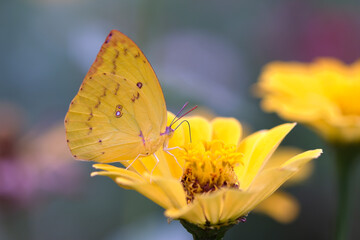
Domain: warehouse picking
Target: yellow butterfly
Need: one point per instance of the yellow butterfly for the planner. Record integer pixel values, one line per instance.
(119, 112)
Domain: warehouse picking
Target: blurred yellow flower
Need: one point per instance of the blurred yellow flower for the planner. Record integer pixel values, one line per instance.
(323, 94)
(223, 177)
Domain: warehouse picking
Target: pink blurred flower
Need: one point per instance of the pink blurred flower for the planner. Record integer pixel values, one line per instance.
(33, 165)
(302, 31)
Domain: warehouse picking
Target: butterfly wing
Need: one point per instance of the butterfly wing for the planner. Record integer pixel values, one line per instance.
(119, 108)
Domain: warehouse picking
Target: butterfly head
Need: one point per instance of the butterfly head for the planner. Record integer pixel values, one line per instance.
(168, 132)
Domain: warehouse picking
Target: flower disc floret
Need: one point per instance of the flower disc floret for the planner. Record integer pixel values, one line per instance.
(209, 166)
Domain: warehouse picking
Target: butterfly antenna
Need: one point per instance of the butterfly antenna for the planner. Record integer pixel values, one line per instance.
(188, 125)
(179, 112)
(192, 109)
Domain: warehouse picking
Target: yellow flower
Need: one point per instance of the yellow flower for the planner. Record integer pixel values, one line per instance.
(223, 177)
(282, 206)
(323, 94)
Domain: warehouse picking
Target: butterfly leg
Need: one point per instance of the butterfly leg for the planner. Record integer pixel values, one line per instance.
(169, 149)
(157, 162)
(140, 155)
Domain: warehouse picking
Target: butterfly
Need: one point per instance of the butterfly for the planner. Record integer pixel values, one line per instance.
(119, 112)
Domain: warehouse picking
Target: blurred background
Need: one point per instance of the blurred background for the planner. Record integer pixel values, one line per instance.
(207, 52)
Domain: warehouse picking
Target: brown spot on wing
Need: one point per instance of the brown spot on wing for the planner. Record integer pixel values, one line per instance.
(91, 116)
(114, 62)
(90, 128)
(117, 88)
(104, 94)
(135, 96)
(98, 103)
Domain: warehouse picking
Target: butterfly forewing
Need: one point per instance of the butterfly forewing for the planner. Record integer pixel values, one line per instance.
(118, 106)
(120, 56)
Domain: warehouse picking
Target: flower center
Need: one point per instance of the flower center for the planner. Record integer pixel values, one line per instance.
(209, 166)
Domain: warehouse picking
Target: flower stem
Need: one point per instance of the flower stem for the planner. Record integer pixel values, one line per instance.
(345, 159)
(205, 233)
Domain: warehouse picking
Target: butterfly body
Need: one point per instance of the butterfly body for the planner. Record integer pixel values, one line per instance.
(119, 112)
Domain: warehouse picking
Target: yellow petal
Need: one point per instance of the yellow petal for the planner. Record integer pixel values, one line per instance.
(149, 190)
(300, 159)
(141, 165)
(178, 138)
(165, 192)
(266, 184)
(281, 206)
(237, 203)
(213, 205)
(173, 190)
(247, 147)
(112, 171)
(228, 130)
(257, 149)
(200, 129)
(192, 213)
(206, 208)
(303, 174)
(268, 181)
(274, 177)
(116, 172)
(282, 155)
(175, 164)
(160, 163)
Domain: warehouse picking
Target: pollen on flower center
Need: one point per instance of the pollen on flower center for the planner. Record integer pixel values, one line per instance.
(209, 166)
